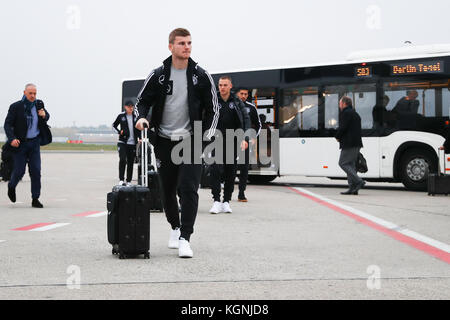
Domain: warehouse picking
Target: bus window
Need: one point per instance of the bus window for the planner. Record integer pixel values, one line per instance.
(130, 90)
(331, 108)
(413, 105)
(446, 102)
(299, 115)
(364, 99)
(263, 99)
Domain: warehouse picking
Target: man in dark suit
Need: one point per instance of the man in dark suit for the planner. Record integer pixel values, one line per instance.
(349, 137)
(26, 129)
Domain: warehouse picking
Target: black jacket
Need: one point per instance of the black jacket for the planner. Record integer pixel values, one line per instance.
(122, 120)
(202, 96)
(349, 132)
(239, 107)
(254, 117)
(16, 124)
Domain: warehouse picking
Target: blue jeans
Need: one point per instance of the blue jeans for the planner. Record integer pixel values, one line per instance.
(29, 152)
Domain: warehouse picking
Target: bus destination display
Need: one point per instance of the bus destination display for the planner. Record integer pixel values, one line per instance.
(363, 72)
(417, 68)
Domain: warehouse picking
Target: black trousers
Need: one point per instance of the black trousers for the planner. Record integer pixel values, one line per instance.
(29, 152)
(228, 172)
(225, 172)
(243, 171)
(127, 153)
(347, 162)
(183, 179)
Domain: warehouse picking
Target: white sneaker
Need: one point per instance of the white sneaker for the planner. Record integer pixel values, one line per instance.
(185, 250)
(226, 207)
(174, 238)
(121, 183)
(129, 184)
(216, 208)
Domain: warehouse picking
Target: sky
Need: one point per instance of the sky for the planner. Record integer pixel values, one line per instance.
(78, 52)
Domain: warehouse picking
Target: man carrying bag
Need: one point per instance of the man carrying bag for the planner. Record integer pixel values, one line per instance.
(350, 141)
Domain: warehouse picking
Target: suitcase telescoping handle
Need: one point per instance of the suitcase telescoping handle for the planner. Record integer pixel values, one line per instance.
(144, 156)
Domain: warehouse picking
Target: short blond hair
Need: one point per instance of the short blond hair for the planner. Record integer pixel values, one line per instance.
(226, 77)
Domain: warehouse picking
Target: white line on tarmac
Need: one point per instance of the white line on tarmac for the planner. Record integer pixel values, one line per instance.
(50, 227)
(386, 224)
(97, 215)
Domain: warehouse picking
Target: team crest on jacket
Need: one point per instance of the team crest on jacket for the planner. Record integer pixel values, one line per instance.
(169, 88)
(195, 79)
(231, 105)
(161, 79)
(124, 119)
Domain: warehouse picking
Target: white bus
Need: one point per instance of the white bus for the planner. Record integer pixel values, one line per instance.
(404, 104)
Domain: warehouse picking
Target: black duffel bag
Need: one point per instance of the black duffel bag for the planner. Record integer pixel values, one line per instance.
(361, 164)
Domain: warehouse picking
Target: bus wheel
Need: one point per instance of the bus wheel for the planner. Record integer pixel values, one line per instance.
(415, 166)
(260, 179)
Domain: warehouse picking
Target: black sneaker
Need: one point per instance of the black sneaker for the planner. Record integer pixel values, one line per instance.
(241, 197)
(12, 194)
(36, 204)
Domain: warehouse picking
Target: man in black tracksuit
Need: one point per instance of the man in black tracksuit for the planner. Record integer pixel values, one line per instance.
(175, 97)
(128, 136)
(232, 116)
(350, 141)
(255, 125)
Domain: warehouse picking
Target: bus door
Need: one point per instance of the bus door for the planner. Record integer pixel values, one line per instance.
(264, 100)
(302, 149)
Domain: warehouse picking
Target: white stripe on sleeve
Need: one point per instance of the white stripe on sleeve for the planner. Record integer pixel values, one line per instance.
(215, 102)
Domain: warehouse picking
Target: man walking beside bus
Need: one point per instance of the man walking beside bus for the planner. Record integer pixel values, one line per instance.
(350, 141)
(256, 125)
(232, 117)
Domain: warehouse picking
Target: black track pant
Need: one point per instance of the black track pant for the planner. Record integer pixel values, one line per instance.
(227, 172)
(243, 172)
(127, 153)
(182, 178)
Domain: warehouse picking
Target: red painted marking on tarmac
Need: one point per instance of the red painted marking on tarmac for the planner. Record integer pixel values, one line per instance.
(33, 226)
(85, 214)
(440, 254)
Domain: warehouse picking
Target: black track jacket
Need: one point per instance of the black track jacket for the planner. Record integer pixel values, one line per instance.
(202, 96)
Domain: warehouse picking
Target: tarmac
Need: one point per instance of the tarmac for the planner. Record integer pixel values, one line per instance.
(297, 238)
